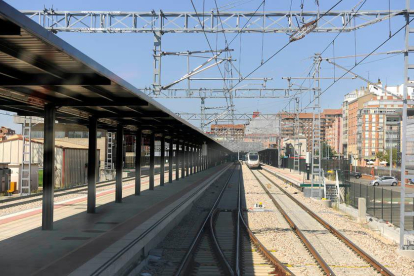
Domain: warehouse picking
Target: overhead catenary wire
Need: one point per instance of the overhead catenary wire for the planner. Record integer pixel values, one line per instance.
(263, 23)
(373, 51)
(361, 3)
(205, 35)
(227, 44)
(283, 47)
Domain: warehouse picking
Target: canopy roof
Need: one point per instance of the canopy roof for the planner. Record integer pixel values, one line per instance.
(38, 68)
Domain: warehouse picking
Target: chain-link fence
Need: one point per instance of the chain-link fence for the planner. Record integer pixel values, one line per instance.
(379, 171)
(381, 202)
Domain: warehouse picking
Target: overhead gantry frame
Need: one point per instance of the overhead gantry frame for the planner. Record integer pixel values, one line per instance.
(41, 75)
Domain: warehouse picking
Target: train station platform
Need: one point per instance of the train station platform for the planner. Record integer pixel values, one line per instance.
(111, 240)
(292, 176)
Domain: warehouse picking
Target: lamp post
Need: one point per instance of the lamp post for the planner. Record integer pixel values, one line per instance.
(390, 152)
(300, 155)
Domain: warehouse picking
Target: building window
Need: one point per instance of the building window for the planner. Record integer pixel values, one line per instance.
(78, 134)
(37, 134)
(60, 134)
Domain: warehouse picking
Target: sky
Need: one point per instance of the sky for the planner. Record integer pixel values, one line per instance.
(130, 55)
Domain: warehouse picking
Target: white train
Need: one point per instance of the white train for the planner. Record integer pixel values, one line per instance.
(252, 160)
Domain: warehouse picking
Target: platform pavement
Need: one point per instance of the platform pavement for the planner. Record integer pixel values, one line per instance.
(26, 249)
(293, 176)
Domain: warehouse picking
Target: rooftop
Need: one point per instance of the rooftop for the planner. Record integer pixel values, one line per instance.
(39, 68)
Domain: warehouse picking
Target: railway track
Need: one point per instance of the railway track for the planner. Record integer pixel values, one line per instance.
(334, 253)
(62, 192)
(224, 244)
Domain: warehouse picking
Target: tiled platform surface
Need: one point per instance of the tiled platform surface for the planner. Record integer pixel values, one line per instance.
(77, 236)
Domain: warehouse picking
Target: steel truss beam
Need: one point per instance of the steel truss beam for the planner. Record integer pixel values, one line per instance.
(188, 22)
(225, 117)
(241, 93)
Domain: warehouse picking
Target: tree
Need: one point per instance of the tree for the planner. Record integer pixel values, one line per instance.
(381, 156)
(385, 156)
(327, 150)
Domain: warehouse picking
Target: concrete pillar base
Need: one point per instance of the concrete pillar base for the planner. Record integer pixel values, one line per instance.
(362, 210)
(327, 203)
(406, 253)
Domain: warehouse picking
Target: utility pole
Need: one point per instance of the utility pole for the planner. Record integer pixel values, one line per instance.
(316, 164)
(296, 160)
(390, 152)
(404, 155)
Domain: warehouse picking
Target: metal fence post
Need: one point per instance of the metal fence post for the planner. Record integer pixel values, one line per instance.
(391, 206)
(382, 203)
(374, 199)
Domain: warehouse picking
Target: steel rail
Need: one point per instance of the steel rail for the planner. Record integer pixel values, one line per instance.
(132, 243)
(7, 203)
(217, 249)
(12, 202)
(188, 259)
(280, 269)
(239, 209)
(325, 267)
(371, 261)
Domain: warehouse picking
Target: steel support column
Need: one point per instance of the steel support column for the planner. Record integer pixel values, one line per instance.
(138, 150)
(152, 161)
(162, 161)
(189, 153)
(405, 151)
(197, 159)
(119, 161)
(170, 161)
(200, 159)
(177, 160)
(183, 156)
(92, 165)
(192, 159)
(48, 167)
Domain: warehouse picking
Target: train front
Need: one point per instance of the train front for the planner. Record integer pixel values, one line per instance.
(253, 161)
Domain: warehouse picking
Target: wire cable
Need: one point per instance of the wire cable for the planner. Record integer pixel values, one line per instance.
(373, 51)
(283, 47)
(361, 4)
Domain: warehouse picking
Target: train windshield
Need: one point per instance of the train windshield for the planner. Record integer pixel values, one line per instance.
(253, 156)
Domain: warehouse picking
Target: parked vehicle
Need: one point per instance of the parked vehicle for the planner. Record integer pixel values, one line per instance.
(385, 180)
(357, 175)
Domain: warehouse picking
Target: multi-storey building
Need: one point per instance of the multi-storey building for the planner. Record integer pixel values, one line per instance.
(352, 124)
(333, 134)
(379, 127)
(352, 105)
(224, 131)
(306, 124)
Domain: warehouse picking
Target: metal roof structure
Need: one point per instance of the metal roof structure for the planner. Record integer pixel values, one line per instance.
(39, 68)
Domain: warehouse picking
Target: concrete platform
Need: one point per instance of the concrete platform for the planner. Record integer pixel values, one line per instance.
(83, 243)
(292, 176)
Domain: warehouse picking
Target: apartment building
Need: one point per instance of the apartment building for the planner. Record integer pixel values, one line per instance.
(224, 131)
(374, 101)
(333, 134)
(379, 127)
(328, 116)
(352, 124)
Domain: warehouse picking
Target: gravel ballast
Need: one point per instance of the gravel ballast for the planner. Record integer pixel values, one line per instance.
(273, 231)
(380, 248)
